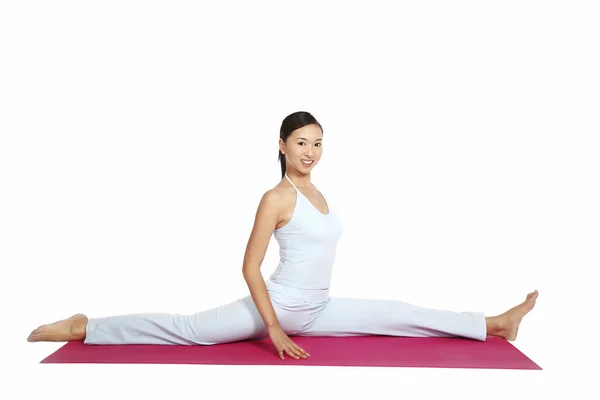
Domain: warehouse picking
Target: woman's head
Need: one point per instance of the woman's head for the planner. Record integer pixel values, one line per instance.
(300, 139)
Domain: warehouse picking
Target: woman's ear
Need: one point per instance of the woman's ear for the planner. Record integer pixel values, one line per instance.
(282, 146)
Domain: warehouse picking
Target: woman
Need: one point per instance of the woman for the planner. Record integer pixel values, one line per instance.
(295, 300)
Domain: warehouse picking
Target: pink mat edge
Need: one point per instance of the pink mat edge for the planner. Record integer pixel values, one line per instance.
(49, 359)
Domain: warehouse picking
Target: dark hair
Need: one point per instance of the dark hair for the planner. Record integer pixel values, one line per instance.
(290, 124)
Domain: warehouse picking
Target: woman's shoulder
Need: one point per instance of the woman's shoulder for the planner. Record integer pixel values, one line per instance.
(280, 198)
(277, 202)
(280, 193)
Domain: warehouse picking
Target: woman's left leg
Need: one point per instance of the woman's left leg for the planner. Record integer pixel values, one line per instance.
(361, 317)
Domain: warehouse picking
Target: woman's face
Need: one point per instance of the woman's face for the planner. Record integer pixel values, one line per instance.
(303, 148)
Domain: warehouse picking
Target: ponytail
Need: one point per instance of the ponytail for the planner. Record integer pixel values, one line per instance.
(282, 162)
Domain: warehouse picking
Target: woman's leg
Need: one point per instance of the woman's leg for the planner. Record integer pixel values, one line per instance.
(238, 320)
(361, 317)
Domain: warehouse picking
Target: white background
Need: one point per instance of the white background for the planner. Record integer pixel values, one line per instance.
(460, 148)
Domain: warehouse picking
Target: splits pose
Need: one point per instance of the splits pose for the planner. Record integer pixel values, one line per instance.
(295, 300)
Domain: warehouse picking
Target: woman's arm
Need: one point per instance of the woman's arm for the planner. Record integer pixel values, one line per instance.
(267, 218)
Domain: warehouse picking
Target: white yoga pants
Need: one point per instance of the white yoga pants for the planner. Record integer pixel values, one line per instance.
(300, 313)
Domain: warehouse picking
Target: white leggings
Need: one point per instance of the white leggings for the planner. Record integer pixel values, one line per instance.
(299, 312)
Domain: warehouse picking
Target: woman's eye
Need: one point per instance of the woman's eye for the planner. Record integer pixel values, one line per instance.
(302, 143)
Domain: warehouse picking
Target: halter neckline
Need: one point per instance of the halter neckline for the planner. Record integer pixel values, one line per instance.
(289, 180)
(309, 202)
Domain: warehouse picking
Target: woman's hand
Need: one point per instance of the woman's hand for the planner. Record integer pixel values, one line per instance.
(284, 344)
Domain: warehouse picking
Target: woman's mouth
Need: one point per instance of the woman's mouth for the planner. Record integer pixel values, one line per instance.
(307, 163)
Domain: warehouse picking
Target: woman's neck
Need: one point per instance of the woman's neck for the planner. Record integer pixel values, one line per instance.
(301, 181)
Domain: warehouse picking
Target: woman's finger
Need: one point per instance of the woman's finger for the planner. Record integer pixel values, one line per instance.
(291, 352)
(303, 352)
(298, 350)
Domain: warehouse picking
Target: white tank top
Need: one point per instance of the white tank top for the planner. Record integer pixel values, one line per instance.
(307, 245)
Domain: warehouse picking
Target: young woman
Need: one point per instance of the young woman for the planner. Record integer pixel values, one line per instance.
(295, 300)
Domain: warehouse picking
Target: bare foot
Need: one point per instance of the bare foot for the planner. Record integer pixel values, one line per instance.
(72, 328)
(507, 324)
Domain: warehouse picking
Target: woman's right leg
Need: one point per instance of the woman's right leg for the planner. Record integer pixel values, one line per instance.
(235, 321)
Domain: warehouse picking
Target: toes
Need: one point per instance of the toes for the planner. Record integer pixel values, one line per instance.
(35, 334)
(532, 296)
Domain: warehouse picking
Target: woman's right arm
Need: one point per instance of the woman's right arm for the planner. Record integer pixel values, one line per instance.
(266, 220)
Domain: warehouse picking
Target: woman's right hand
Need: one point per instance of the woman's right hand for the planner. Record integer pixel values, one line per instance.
(283, 343)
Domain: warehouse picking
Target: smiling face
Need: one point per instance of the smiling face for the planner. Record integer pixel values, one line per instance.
(303, 148)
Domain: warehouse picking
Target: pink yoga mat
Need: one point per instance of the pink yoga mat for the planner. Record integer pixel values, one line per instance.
(362, 351)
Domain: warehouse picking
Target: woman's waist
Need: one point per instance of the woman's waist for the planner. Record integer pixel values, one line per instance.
(281, 289)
